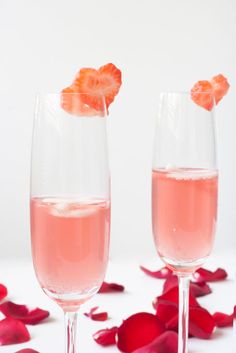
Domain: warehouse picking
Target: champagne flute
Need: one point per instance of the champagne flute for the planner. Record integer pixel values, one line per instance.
(70, 203)
(184, 192)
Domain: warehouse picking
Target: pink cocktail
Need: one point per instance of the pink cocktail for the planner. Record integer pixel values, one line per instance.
(70, 242)
(184, 204)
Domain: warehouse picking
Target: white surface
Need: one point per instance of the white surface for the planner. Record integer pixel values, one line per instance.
(140, 292)
(159, 45)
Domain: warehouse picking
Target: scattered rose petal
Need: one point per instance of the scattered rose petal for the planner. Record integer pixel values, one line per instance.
(106, 337)
(167, 342)
(23, 313)
(111, 287)
(3, 291)
(27, 350)
(197, 289)
(13, 331)
(172, 295)
(166, 311)
(203, 275)
(223, 320)
(163, 273)
(201, 323)
(138, 330)
(103, 316)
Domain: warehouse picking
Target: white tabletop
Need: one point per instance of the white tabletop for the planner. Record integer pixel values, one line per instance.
(48, 337)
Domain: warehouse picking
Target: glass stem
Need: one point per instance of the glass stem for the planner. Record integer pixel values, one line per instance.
(184, 282)
(70, 326)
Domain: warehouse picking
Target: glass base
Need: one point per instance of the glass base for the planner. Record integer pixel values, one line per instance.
(183, 266)
(70, 302)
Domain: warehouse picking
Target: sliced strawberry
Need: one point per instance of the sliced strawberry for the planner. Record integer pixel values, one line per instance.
(97, 84)
(220, 87)
(72, 103)
(202, 94)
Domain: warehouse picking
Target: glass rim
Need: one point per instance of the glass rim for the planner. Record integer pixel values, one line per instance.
(186, 92)
(42, 94)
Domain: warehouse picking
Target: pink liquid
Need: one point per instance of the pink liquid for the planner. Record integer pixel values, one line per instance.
(70, 243)
(184, 204)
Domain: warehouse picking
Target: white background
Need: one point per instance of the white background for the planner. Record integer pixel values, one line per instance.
(159, 45)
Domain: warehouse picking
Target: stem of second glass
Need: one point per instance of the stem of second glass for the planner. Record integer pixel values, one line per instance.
(184, 282)
(70, 326)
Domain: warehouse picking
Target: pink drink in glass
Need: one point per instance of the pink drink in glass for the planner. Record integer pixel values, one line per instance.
(184, 210)
(70, 243)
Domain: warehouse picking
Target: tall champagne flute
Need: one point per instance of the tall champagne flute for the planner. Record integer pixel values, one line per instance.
(70, 203)
(184, 191)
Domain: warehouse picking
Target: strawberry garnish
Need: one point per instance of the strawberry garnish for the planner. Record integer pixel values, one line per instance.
(96, 90)
(72, 103)
(220, 87)
(204, 93)
(104, 82)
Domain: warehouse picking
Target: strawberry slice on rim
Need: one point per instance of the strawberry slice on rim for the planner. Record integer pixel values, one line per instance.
(220, 87)
(71, 102)
(202, 94)
(96, 84)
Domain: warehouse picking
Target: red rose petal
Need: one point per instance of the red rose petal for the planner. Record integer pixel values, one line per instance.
(106, 337)
(201, 323)
(3, 291)
(166, 311)
(163, 273)
(111, 287)
(223, 320)
(197, 289)
(165, 343)
(27, 350)
(23, 313)
(138, 330)
(103, 316)
(13, 331)
(203, 275)
(173, 296)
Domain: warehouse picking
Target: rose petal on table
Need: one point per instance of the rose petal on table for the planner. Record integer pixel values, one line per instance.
(27, 350)
(197, 289)
(223, 320)
(172, 295)
(106, 337)
(204, 275)
(3, 291)
(163, 273)
(13, 331)
(166, 310)
(111, 287)
(201, 323)
(103, 316)
(167, 342)
(138, 330)
(23, 313)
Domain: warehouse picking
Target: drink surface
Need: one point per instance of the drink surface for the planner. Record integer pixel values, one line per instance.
(70, 243)
(184, 211)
